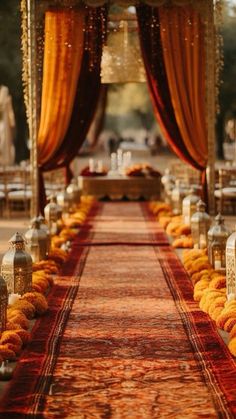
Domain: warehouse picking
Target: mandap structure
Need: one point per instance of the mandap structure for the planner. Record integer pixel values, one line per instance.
(63, 43)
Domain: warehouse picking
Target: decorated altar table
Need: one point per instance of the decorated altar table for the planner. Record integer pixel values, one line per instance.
(121, 187)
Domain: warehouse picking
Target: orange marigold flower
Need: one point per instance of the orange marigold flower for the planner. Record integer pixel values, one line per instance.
(12, 326)
(24, 335)
(19, 318)
(230, 323)
(232, 346)
(9, 336)
(6, 353)
(38, 300)
(233, 332)
(25, 307)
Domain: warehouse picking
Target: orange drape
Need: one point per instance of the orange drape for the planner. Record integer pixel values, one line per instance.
(182, 35)
(64, 45)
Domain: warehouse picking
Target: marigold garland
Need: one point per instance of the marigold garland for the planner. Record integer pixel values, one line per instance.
(34, 303)
(209, 284)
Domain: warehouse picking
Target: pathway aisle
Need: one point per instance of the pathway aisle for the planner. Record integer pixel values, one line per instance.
(134, 345)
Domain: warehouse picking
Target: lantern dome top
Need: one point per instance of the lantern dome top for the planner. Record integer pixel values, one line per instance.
(16, 238)
(35, 223)
(201, 206)
(218, 231)
(219, 219)
(192, 198)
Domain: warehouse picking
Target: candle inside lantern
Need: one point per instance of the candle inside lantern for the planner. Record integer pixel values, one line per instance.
(217, 259)
(202, 241)
(217, 264)
(12, 298)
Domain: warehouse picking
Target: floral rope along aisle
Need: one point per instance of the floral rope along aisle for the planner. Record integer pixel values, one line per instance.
(21, 310)
(172, 224)
(210, 289)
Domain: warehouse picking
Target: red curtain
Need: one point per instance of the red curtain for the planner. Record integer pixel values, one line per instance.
(86, 97)
(151, 46)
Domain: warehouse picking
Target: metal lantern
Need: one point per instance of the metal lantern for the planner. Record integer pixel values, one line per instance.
(200, 224)
(74, 192)
(17, 267)
(44, 227)
(177, 196)
(63, 199)
(37, 241)
(53, 213)
(3, 304)
(217, 237)
(168, 182)
(189, 206)
(231, 266)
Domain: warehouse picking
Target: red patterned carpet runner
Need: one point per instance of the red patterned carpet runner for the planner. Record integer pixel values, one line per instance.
(123, 338)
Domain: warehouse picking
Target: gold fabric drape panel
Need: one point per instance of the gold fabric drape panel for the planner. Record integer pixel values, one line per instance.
(182, 34)
(64, 45)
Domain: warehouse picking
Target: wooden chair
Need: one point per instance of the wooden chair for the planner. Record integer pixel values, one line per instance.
(186, 174)
(18, 190)
(54, 181)
(225, 195)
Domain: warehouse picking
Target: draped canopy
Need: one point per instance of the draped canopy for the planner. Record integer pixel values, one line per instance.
(62, 65)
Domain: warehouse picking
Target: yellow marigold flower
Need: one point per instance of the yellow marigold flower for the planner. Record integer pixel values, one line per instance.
(218, 282)
(216, 313)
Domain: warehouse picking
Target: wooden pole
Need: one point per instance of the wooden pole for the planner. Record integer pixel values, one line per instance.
(211, 103)
(32, 106)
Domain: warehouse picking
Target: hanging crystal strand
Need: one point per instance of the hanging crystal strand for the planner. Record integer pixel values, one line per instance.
(103, 18)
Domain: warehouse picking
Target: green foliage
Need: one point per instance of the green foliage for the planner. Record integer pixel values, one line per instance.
(10, 67)
(129, 105)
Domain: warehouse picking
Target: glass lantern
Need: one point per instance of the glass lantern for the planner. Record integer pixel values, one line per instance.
(63, 199)
(3, 304)
(168, 182)
(53, 213)
(231, 267)
(44, 227)
(189, 206)
(17, 267)
(177, 196)
(200, 224)
(37, 241)
(217, 237)
(74, 193)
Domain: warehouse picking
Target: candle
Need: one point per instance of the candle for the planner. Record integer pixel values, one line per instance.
(217, 264)
(12, 298)
(231, 296)
(202, 241)
(91, 165)
(100, 166)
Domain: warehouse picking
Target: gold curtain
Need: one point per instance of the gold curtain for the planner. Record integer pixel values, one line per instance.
(182, 34)
(64, 45)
